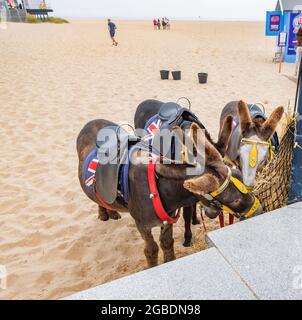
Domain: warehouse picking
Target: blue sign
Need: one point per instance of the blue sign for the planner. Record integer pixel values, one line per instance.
(295, 23)
(274, 23)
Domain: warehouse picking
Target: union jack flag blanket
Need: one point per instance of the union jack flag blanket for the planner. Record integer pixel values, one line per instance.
(89, 169)
(91, 165)
(151, 127)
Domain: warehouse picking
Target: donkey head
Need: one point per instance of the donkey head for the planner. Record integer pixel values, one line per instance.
(219, 187)
(255, 148)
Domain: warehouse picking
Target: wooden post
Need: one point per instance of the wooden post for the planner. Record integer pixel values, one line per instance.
(282, 38)
(281, 59)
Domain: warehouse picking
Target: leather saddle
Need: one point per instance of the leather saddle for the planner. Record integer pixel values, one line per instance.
(171, 114)
(113, 143)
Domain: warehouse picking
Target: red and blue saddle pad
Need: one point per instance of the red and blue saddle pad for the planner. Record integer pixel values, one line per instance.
(89, 169)
(151, 127)
(92, 162)
(91, 165)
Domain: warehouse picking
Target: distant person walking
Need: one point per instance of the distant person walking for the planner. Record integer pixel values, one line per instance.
(112, 28)
(163, 22)
(155, 24)
(167, 23)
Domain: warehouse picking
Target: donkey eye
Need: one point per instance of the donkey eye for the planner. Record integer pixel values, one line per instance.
(236, 202)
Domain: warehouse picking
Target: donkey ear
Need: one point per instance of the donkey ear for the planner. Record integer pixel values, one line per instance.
(224, 135)
(270, 125)
(202, 185)
(198, 137)
(244, 117)
(194, 130)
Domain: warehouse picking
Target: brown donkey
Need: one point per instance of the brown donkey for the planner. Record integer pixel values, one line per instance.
(175, 189)
(253, 137)
(150, 108)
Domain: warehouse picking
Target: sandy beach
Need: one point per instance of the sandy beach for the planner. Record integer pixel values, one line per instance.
(56, 78)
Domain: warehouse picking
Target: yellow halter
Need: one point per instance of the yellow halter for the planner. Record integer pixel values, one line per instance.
(253, 159)
(240, 186)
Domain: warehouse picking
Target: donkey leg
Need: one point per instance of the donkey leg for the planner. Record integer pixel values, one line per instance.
(151, 247)
(187, 215)
(195, 220)
(167, 242)
(103, 215)
(114, 215)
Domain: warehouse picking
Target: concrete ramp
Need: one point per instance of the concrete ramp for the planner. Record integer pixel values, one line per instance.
(204, 275)
(267, 252)
(260, 258)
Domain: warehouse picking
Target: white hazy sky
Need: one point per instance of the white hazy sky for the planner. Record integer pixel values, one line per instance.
(142, 9)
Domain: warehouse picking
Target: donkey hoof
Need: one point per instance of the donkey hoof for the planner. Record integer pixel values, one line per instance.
(188, 243)
(103, 217)
(114, 215)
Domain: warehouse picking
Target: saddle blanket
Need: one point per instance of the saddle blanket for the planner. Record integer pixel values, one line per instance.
(89, 169)
(151, 127)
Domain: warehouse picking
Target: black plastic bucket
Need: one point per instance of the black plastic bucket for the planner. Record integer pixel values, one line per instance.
(176, 75)
(202, 77)
(164, 74)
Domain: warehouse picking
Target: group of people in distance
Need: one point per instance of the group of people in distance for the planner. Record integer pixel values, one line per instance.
(164, 22)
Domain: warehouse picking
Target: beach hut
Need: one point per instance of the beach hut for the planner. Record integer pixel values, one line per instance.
(3, 5)
(3, 14)
(287, 5)
(283, 23)
(17, 9)
(13, 10)
(37, 7)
